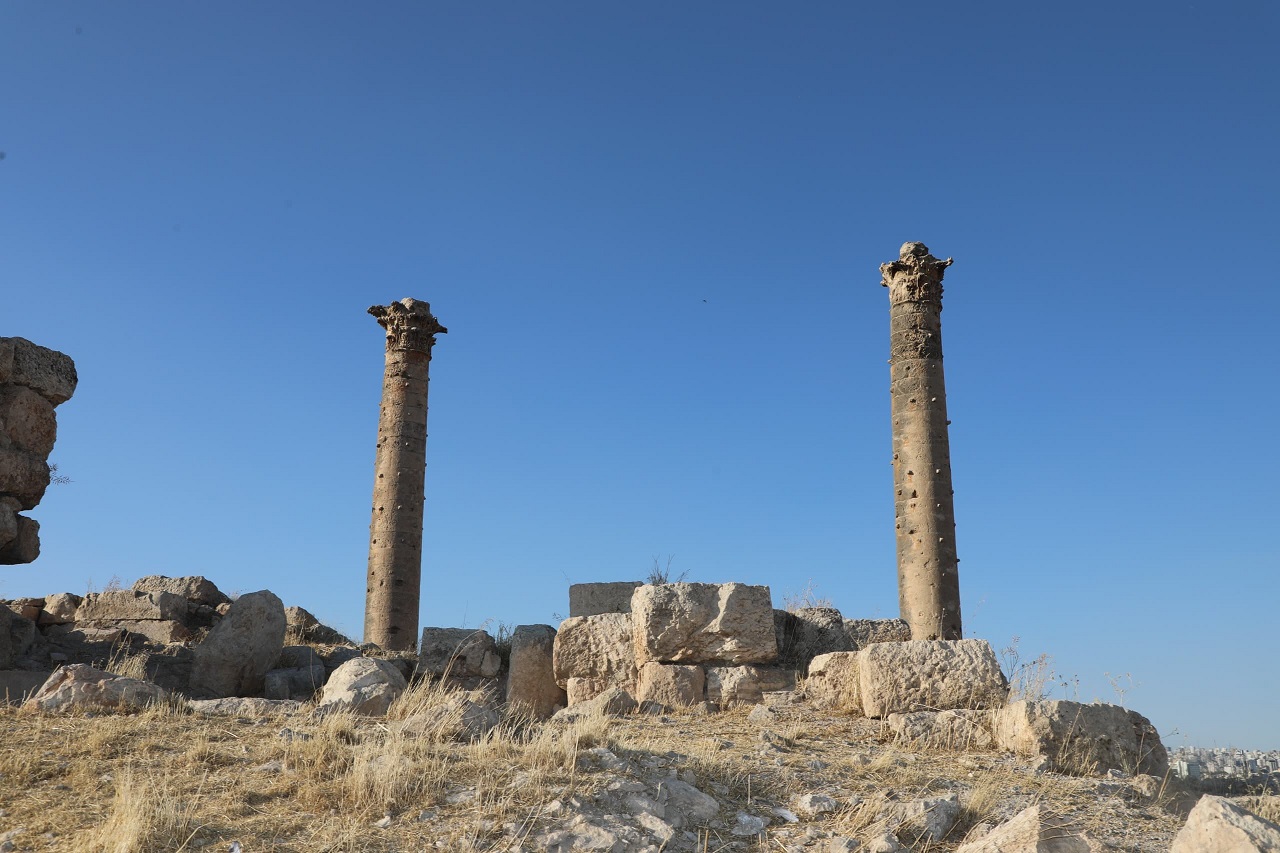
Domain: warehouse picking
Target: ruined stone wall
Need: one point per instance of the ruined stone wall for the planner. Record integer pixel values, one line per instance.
(33, 380)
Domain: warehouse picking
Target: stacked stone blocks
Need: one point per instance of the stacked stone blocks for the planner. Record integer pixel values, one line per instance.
(33, 382)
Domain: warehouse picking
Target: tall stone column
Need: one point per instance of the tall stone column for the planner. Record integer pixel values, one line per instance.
(395, 534)
(928, 578)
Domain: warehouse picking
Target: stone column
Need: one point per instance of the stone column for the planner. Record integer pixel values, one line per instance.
(395, 534)
(928, 579)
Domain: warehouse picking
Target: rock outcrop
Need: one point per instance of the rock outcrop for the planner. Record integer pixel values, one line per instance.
(1217, 825)
(33, 381)
(1078, 738)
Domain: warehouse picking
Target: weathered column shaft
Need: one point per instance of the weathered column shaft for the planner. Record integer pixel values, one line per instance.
(393, 592)
(924, 514)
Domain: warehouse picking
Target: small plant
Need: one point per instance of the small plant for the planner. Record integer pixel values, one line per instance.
(806, 597)
(55, 478)
(660, 574)
(1122, 684)
(1030, 680)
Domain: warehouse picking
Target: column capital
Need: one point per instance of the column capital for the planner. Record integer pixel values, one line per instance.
(915, 277)
(410, 325)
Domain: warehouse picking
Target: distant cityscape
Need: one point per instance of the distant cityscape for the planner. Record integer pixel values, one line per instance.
(1227, 769)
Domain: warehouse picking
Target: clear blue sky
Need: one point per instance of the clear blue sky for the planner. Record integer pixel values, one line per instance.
(653, 230)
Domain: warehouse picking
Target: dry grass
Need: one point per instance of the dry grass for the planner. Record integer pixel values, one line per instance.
(167, 780)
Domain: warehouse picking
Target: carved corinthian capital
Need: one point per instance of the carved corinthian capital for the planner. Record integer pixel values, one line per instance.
(915, 277)
(409, 324)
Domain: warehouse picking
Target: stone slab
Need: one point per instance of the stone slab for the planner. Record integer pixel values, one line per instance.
(48, 372)
(531, 680)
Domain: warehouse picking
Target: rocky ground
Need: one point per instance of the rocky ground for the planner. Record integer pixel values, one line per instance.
(780, 777)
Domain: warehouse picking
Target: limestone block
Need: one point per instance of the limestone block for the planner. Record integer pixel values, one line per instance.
(27, 608)
(59, 608)
(1217, 825)
(807, 632)
(864, 632)
(928, 817)
(162, 631)
(27, 420)
(921, 675)
(579, 690)
(80, 687)
(592, 599)
(1033, 830)
(458, 653)
(235, 657)
(531, 680)
(299, 683)
(8, 523)
(194, 588)
(746, 685)
(943, 730)
(614, 702)
(1082, 739)
(48, 372)
(670, 685)
(365, 686)
(833, 682)
(309, 629)
(728, 623)
(24, 547)
(595, 647)
(16, 685)
(23, 475)
(132, 605)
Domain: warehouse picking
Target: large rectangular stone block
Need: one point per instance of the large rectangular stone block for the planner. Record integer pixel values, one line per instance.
(531, 682)
(458, 653)
(729, 623)
(592, 599)
(670, 685)
(597, 648)
(128, 604)
(23, 475)
(1082, 739)
(746, 685)
(929, 675)
(864, 632)
(27, 420)
(24, 546)
(833, 682)
(47, 372)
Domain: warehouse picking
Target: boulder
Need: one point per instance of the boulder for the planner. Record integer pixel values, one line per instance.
(194, 588)
(729, 623)
(833, 682)
(117, 604)
(8, 521)
(531, 681)
(1081, 739)
(746, 685)
(592, 599)
(23, 476)
(929, 675)
(309, 629)
(1217, 825)
(864, 632)
(943, 730)
(299, 683)
(595, 647)
(27, 420)
(929, 817)
(235, 657)
(48, 372)
(365, 686)
(670, 685)
(458, 653)
(583, 689)
(24, 545)
(59, 608)
(1033, 830)
(806, 632)
(80, 687)
(685, 805)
